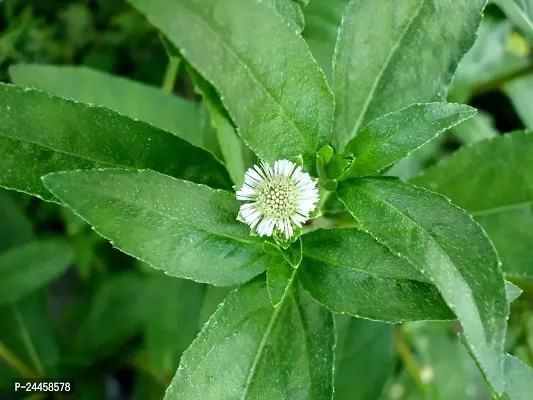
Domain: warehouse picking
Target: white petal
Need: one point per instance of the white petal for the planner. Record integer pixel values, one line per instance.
(266, 226)
(247, 208)
(277, 167)
(246, 194)
(280, 224)
(260, 172)
(288, 229)
(253, 222)
(250, 214)
(267, 170)
(300, 218)
(252, 178)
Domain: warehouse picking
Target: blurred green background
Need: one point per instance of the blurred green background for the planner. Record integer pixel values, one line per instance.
(116, 327)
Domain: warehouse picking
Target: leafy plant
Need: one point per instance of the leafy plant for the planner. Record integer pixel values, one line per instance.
(344, 92)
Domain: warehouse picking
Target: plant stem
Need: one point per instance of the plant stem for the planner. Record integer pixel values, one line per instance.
(171, 73)
(28, 344)
(497, 82)
(13, 361)
(409, 360)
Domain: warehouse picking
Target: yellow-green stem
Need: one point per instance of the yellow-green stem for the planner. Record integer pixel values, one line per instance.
(28, 344)
(14, 362)
(409, 360)
(169, 81)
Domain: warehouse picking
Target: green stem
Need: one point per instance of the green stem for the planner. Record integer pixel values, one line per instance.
(324, 197)
(14, 362)
(409, 360)
(28, 344)
(499, 81)
(169, 81)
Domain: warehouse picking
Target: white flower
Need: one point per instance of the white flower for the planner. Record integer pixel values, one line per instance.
(277, 198)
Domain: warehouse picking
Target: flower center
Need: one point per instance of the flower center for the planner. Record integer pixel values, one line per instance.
(276, 197)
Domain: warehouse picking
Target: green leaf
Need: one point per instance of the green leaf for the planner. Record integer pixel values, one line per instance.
(337, 166)
(518, 379)
(520, 92)
(279, 111)
(418, 160)
(26, 268)
(27, 340)
(497, 174)
(171, 321)
(513, 291)
(133, 99)
(511, 231)
(279, 278)
(15, 227)
(231, 147)
(40, 134)
(347, 271)
(187, 230)
(380, 65)
(230, 143)
(363, 358)
(118, 310)
(322, 21)
(392, 137)
(520, 12)
(27, 333)
(274, 353)
(293, 253)
(214, 296)
(449, 248)
(479, 127)
(291, 12)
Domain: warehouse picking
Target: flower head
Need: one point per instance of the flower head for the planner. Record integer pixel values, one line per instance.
(277, 198)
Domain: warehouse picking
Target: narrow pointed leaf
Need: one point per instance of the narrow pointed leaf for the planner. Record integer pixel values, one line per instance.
(40, 134)
(492, 180)
(274, 353)
(322, 21)
(133, 99)
(291, 12)
(230, 143)
(279, 111)
(513, 291)
(450, 249)
(26, 268)
(187, 230)
(347, 271)
(388, 57)
(392, 137)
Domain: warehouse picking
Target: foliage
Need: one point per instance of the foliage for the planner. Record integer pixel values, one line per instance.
(122, 255)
